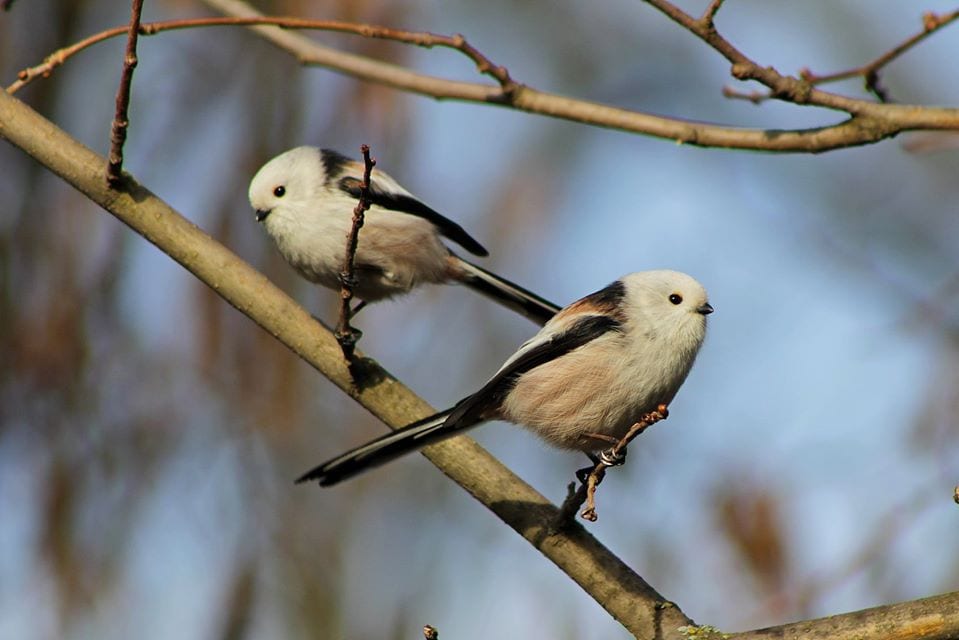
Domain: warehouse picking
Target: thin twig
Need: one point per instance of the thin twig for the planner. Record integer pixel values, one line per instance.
(709, 15)
(756, 97)
(345, 334)
(419, 38)
(121, 121)
(931, 22)
(587, 490)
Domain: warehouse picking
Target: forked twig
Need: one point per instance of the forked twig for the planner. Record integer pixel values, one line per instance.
(121, 121)
(869, 72)
(424, 39)
(346, 335)
(611, 457)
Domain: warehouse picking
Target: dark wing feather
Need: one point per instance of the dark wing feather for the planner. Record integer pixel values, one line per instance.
(468, 413)
(412, 206)
(583, 331)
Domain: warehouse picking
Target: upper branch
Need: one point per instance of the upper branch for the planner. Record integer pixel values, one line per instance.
(869, 122)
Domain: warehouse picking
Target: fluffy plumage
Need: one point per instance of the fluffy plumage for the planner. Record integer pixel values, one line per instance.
(305, 199)
(589, 374)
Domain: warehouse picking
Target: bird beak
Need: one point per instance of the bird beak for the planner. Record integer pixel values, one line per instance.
(261, 214)
(705, 309)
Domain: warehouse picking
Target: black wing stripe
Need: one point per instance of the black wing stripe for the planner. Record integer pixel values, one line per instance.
(491, 395)
(412, 206)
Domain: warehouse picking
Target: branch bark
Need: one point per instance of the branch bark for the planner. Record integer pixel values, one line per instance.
(869, 122)
(623, 593)
(866, 121)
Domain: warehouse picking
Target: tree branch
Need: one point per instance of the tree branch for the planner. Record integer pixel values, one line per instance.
(868, 123)
(625, 595)
(931, 23)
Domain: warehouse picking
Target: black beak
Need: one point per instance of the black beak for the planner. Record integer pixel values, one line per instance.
(261, 214)
(705, 309)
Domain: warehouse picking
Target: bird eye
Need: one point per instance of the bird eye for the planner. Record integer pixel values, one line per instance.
(675, 298)
(280, 191)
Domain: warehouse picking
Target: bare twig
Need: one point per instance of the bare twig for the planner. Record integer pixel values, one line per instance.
(121, 122)
(418, 38)
(870, 123)
(709, 15)
(345, 334)
(609, 458)
(931, 22)
(756, 97)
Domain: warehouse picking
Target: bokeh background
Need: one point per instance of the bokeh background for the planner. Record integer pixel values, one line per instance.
(149, 433)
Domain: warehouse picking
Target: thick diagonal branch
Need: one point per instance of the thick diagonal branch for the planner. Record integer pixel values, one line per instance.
(623, 593)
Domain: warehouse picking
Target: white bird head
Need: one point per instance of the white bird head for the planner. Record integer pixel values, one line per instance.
(668, 303)
(289, 180)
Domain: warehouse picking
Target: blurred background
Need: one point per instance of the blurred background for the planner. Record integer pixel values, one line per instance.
(149, 433)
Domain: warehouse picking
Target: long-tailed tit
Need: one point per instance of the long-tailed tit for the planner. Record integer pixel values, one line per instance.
(580, 383)
(305, 199)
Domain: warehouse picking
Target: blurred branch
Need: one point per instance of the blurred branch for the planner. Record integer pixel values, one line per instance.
(121, 121)
(624, 594)
(868, 122)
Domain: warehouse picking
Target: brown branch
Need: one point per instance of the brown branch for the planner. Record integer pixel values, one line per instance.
(709, 15)
(418, 38)
(617, 588)
(931, 22)
(121, 121)
(870, 122)
(625, 595)
(345, 334)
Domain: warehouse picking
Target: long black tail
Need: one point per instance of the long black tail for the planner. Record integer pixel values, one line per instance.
(506, 293)
(383, 449)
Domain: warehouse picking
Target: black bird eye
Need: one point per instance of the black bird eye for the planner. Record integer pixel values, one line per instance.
(280, 191)
(675, 298)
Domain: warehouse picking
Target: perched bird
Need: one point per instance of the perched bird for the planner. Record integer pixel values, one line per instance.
(580, 383)
(305, 199)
